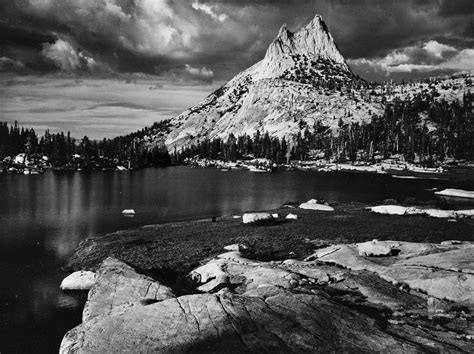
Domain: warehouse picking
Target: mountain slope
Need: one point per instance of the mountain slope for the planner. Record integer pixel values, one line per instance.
(302, 80)
(298, 82)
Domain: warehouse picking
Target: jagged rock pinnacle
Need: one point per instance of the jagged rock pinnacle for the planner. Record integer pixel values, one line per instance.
(283, 32)
(287, 83)
(312, 41)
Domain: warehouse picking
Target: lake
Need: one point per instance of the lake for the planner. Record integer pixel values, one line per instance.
(44, 217)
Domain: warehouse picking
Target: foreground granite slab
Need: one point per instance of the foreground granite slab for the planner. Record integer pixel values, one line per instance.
(118, 284)
(245, 305)
(444, 271)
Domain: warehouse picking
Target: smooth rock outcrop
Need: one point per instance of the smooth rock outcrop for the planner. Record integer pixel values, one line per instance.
(458, 193)
(313, 204)
(80, 280)
(117, 284)
(388, 209)
(442, 214)
(253, 306)
(441, 271)
(270, 322)
(434, 213)
(249, 218)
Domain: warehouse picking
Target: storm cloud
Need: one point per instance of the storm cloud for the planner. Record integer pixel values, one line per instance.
(215, 39)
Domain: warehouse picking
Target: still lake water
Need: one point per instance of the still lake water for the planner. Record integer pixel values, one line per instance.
(44, 217)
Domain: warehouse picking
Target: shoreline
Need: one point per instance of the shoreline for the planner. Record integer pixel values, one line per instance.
(392, 167)
(169, 286)
(178, 246)
(454, 170)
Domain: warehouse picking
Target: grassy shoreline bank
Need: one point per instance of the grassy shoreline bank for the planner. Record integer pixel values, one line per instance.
(179, 246)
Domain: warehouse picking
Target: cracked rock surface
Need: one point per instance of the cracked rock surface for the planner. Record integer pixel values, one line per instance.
(441, 270)
(280, 306)
(118, 284)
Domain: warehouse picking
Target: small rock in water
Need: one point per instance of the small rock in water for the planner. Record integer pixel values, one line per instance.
(442, 214)
(292, 216)
(249, 218)
(275, 215)
(80, 280)
(374, 248)
(388, 209)
(128, 212)
(451, 192)
(313, 204)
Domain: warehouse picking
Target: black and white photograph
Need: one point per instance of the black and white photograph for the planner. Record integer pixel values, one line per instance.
(224, 176)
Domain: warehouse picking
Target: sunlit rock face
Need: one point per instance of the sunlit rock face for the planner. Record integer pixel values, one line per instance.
(312, 42)
(336, 300)
(286, 92)
(303, 82)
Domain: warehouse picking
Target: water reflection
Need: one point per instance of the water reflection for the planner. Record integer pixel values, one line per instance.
(43, 218)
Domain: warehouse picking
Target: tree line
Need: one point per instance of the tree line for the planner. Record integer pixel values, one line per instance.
(421, 129)
(63, 151)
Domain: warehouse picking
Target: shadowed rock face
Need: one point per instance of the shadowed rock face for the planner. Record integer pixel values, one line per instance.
(252, 306)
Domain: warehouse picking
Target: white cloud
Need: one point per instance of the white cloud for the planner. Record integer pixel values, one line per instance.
(90, 62)
(201, 72)
(66, 57)
(425, 57)
(438, 49)
(94, 107)
(210, 10)
(168, 30)
(464, 60)
(8, 64)
(388, 65)
(62, 54)
(115, 10)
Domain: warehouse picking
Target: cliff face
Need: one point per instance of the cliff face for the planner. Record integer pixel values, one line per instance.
(303, 80)
(284, 93)
(313, 42)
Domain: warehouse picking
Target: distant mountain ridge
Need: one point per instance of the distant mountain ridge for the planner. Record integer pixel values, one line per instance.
(302, 81)
(281, 94)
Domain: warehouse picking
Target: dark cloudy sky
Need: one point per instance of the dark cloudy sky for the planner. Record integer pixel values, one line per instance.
(214, 39)
(108, 67)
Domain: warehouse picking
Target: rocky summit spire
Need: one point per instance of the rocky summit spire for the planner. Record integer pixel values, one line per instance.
(312, 41)
(280, 94)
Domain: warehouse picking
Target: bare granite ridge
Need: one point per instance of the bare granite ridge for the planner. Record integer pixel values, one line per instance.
(275, 92)
(281, 306)
(302, 81)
